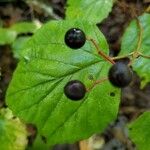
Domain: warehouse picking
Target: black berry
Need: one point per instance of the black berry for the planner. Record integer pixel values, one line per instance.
(75, 38)
(120, 75)
(75, 90)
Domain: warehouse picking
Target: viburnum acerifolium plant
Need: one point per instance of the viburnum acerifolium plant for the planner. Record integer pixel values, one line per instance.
(120, 75)
(66, 84)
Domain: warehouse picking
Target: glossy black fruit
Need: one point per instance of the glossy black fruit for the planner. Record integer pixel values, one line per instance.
(120, 75)
(75, 38)
(75, 90)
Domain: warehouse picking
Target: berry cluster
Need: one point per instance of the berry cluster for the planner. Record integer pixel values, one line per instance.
(119, 75)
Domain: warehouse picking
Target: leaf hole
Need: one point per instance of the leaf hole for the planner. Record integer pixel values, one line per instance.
(112, 94)
(90, 77)
(32, 130)
(14, 117)
(44, 139)
(130, 129)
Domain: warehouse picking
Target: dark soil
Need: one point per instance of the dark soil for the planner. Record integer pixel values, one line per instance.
(134, 101)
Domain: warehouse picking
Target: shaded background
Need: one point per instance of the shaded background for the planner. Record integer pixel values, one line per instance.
(134, 101)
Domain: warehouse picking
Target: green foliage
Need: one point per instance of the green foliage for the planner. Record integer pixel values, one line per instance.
(18, 45)
(36, 92)
(13, 135)
(39, 144)
(8, 35)
(24, 27)
(93, 11)
(130, 42)
(139, 131)
(47, 65)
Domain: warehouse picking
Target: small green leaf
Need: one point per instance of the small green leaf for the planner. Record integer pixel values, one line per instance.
(129, 44)
(93, 11)
(24, 27)
(36, 90)
(18, 45)
(13, 135)
(139, 131)
(7, 36)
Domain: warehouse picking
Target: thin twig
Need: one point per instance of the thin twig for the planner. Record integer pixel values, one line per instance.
(96, 82)
(124, 56)
(136, 51)
(145, 56)
(147, 9)
(100, 52)
(140, 35)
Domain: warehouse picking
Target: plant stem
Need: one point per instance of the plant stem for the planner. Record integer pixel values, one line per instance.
(124, 56)
(147, 9)
(140, 35)
(100, 52)
(134, 55)
(96, 82)
(144, 55)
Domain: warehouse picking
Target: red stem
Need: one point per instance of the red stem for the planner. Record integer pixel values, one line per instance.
(97, 82)
(100, 52)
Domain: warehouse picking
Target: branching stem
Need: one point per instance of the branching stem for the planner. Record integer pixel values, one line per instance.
(100, 52)
(124, 56)
(96, 82)
(134, 54)
(145, 56)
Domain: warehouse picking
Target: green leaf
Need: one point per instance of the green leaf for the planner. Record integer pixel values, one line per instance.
(129, 44)
(18, 45)
(39, 144)
(139, 131)
(13, 135)
(93, 11)
(24, 27)
(7, 36)
(36, 90)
